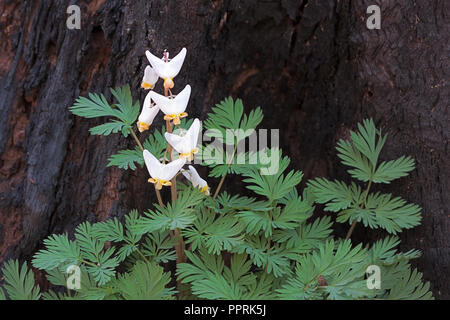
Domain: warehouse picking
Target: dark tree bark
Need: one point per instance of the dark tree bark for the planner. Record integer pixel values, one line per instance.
(313, 66)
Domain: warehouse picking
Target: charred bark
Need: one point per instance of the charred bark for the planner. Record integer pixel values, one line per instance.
(313, 67)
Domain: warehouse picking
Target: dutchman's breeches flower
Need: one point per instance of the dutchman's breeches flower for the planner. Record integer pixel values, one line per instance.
(193, 176)
(185, 145)
(160, 173)
(173, 108)
(147, 115)
(149, 79)
(165, 68)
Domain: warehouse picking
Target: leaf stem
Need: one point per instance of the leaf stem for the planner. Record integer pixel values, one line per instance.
(350, 231)
(136, 139)
(223, 177)
(142, 255)
(89, 263)
(137, 250)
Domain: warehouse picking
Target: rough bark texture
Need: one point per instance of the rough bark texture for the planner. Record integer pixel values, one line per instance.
(313, 66)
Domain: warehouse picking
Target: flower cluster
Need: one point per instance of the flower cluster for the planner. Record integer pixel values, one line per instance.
(174, 109)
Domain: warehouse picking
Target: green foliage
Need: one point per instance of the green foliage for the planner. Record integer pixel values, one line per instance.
(222, 162)
(173, 215)
(350, 202)
(270, 245)
(341, 266)
(97, 106)
(227, 119)
(60, 252)
(394, 169)
(228, 125)
(19, 282)
(275, 185)
(409, 286)
(127, 159)
(146, 281)
(210, 278)
(214, 233)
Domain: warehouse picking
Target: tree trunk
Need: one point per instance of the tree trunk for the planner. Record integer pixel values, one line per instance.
(313, 66)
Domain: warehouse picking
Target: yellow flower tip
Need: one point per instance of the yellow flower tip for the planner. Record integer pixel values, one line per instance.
(205, 189)
(143, 126)
(159, 183)
(175, 118)
(189, 155)
(168, 83)
(146, 85)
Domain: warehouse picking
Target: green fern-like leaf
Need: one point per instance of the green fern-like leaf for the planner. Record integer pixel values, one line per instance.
(146, 281)
(384, 211)
(102, 263)
(97, 106)
(2, 294)
(335, 194)
(227, 118)
(211, 279)
(214, 233)
(19, 282)
(274, 259)
(127, 159)
(159, 247)
(274, 186)
(60, 252)
(339, 265)
(307, 236)
(394, 169)
(179, 215)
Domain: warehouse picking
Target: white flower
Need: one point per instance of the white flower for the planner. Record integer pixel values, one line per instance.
(173, 108)
(160, 173)
(147, 115)
(185, 145)
(167, 70)
(149, 79)
(193, 176)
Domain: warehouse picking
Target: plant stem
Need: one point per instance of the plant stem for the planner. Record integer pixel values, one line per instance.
(89, 263)
(179, 248)
(136, 139)
(350, 231)
(173, 187)
(223, 177)
(158, 195)
(137, 250)
(142, 255)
